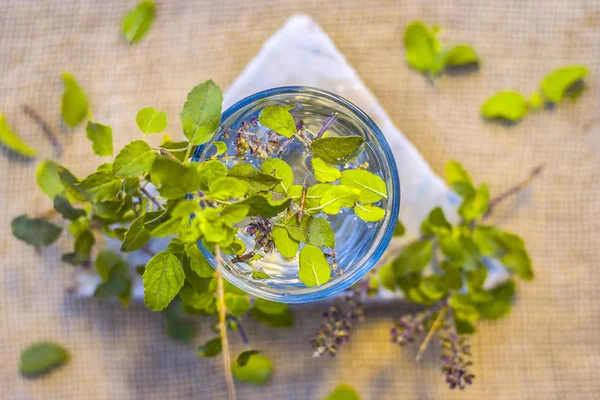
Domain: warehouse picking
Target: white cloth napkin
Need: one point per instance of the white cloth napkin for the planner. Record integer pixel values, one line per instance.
(302, 54)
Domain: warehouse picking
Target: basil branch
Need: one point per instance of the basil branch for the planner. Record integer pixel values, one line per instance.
(327, 124)
(152, 198)
(222, 324)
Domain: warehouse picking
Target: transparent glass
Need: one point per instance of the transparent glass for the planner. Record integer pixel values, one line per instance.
(359, 244)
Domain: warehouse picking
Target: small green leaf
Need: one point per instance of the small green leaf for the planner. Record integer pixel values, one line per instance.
(284, 319)
(138, 21)
(163, 277)
(83, 249)
(314, 268)
(228, 188)
(337, 197)
(79, 226)
(62, 205)
(101, 137)
(71, 184)
(433, 287)
(101, 186)
(106, 262)
(74, 106)
(202, 112)
(323, 172)
(285, 244)
(435, 223)
(461, 55)
(175, 180)
(337, 150)
(245, 356)
(259, 205)
(298, 231)
(475, 205)
(182, 331)
(36, 232)
(460, 249)
(369, 213)
(518, 261)
(257, 371)
(387, 278)
(48, 179)
(257, 181)
(314, 195)
(320, 233)
(221, 147)
(399, 230)
(150, 120)
(237, 305)
(42, 357)
(260, 275)
(212, 348)
(279, 120)
(270, 307)
(413, 258)
(508, 105)
(500, 303)
(136, 236)
(422, 48)
(280, 170)
(9, 139)
(209, 172)
(198, 262)
(557, 83)
(134, 160)
(458, 179)
(343, 392)
(372, 188)
(234, 213)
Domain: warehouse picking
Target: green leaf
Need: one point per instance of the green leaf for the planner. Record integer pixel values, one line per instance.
(314, 268)
(182, 331)
(74, 108)
(324, 172)
(458, 179)
(285, 244)
(284, 319)
(320, 233)
(508, 105)
(221, 147)
(257, 371)
(387, 278)
(463, 306)
(202, 112)
(433, 287)
(79, 226)
(337, 197)
(475, 205)
(62, 205)
(117, 285)
(136, 236)
(9, 139)
(536, 101)
(337, 150)
(343, 392)
(518, 261)
(36, 232)
(314, 195)
(461, 55)
(198, 262)
(101, 137)
(42, 357)
(270, 307)
(71, 184)
(259, 205)
(280, 170)
(83, 249)
(298, 231)
(257, 181)
(174, 179)
(134, 160)
(245, 356)
(399, 230)
(435, 223)
(138, 21)
(163, 278)
(500, 303)
(488, 241)
(212, 348)
(209, 172)
(150, 120)
(557, 83)
(372, 188)
(234, 213)
(422, 47)
(369, 213)
(460, 249)
(278, 119)
(101, 186)
(464, 326)
(228, 188)
(237, 305)
(48, 179)
(260, 275)
(106, 262)
(413, 258)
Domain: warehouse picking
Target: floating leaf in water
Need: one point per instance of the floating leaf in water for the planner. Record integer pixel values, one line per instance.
(314, 268)
(278, 119)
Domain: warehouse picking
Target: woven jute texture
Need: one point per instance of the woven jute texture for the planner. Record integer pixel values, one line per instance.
(549, 346)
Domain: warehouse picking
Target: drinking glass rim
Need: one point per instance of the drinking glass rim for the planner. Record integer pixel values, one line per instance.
(359, 273)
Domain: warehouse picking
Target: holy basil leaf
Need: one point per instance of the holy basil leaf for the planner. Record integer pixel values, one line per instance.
(284, 319)
(42, 357)
(463, 306)
(435, 223)
(202, 112)
(337, 150)
(314, 195)
(460, 249)
(138, 21)
(280, 170)
(82, 249)
(48, 179)
(175, 179)
(270, 307)
(150, 120)
(260, 275)
(399, 230)
(106, 262)
(387, 278)
(257, 181)
(36, 232)
(433, 287)
(209, 172)
(343, 392)
(182, 331)
(245, 356)
(136, 236)
(314, 268)
(237, 305)
(298, 231)
(101, 186)
(557, 83)
(475, 205)
(461, 55)
(413, 258)
(211, 348)
(71, 184)
(256, 371)
(369, 213)
(458, 179)
(74, 106)
(101, 137)
(278, 119)
(234, 213)
(372, 188)
(220, 146)
(198, 262)
(228, 188)
(422, 48)
(285, 244)
(134, 160)
(508, 105)
(500, 303)
(163, 278)
(488, 241)
(9, 139)
(62, 205)
(320, 233)
(337, 197)
(517, 260)
(323, 172)
(259, 205)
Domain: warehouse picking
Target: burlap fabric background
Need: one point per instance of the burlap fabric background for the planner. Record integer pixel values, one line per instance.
(549, 347)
